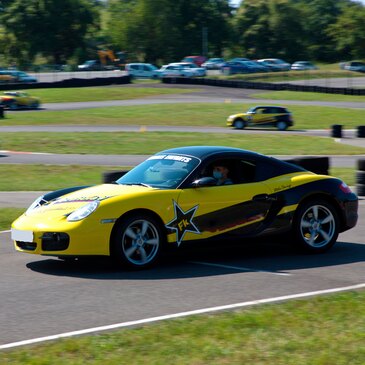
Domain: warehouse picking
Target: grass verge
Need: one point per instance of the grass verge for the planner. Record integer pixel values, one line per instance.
(152, 142)
(308, 96)
(193, 114)
(79, 94)
(287, 76)
(318, 331)
(53, 177)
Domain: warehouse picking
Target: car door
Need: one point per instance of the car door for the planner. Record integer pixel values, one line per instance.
(235, 210)
(23, 100)
(244, 207)
(263, 116)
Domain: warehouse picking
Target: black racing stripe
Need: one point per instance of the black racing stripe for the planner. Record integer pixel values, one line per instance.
(230, 217)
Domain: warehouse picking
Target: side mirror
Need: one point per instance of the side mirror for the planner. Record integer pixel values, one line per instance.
(204, 181)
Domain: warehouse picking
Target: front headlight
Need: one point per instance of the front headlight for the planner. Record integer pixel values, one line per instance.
(231, 117)
(83, 211)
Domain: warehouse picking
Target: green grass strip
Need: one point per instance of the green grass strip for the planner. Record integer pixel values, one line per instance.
(324, 330)
(193, 114)
(152, 142)
(53, 177)
(79, 94)
(308, 96)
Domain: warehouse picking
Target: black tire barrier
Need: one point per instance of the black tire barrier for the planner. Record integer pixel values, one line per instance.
(336, 131)
(361, 165)
(1, 112)
(111, 176)
(264, 85)
(360, 189)
(360, 177)
(360, 131)
(318, 165)
(100, 81)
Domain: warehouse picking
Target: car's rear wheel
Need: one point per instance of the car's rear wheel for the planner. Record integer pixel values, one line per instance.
(239, 124)
(137, 241)
(281, 125)
(316, 226)
(35, 105)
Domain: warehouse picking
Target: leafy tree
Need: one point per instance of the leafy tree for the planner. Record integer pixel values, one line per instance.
(348, 32)
(53, 28)
(166, 30)
(270, 28)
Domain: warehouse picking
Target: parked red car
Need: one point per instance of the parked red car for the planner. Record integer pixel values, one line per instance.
(198, 60)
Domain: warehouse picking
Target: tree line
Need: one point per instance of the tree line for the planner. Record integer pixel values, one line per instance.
(160, 31)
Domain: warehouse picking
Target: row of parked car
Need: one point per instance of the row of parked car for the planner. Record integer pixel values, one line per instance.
(193, 66)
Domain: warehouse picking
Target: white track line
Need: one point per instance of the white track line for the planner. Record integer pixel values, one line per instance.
(239, 268)
(178, 315)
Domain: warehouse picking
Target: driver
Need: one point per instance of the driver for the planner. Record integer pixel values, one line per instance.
(220, 173)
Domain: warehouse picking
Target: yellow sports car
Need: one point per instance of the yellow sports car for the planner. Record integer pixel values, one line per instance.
(188, 194)
(18, 100)
(258, 116)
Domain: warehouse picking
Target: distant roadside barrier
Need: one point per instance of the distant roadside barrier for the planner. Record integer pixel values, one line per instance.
(262, 85)
(75, 82)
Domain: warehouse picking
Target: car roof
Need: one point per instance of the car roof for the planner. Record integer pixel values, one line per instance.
(203, 152)
(268, 106)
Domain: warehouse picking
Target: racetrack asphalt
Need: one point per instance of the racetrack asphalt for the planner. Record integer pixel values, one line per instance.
(42, 296)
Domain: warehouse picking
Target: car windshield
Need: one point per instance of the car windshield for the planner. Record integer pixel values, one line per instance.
(161, 171)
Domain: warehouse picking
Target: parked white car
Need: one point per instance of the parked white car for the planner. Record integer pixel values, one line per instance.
(142, 70)
(176, 70)
(303, 66)
(358, 66)
(199, 71)
(277, 62)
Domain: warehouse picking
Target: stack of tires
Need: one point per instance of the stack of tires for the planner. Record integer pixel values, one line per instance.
(360, 178)
(111, 176)
(360, 131)
(318, 165)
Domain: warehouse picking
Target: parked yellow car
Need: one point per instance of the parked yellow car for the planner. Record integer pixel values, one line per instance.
(275, 116)
(19, 100)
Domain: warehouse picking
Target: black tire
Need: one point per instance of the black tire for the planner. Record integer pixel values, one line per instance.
(282, 125)
(316, 226)
(137, 241)
(239, 123)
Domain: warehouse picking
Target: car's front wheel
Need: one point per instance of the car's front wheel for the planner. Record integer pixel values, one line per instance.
(316, 226)
(137, 241)
(239, 124)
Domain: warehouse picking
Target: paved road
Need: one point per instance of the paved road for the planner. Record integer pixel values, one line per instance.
(42, 296)
(348, 82)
